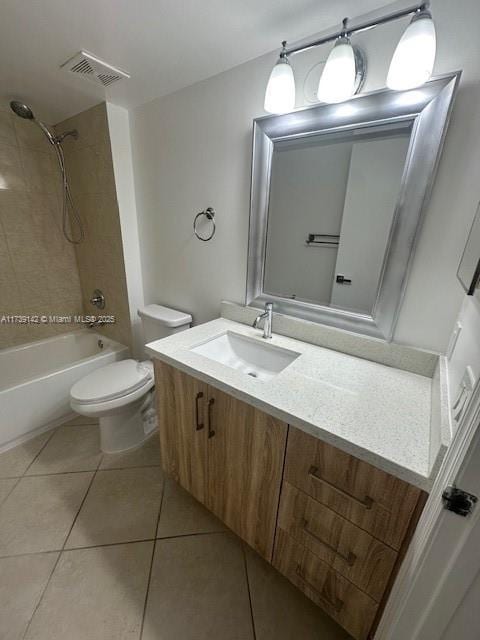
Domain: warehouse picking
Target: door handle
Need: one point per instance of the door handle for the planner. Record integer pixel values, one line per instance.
(211, 432)
(198, 425)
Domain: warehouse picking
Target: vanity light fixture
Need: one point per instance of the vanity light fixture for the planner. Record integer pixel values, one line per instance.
(280, 93)
(344, 71)
(412, 62)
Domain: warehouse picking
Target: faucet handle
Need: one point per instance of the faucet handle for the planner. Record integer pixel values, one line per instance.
(98, 299)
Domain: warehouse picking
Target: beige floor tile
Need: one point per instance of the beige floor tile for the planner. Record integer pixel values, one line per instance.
(6, 485)
(22, 581)
(95, 594)
(39, 512)
(69, 449)
(121, 506)
(181, 514)
(198, 590)
(147, 455)
(15, 462)
(79, 420)
(281, 611)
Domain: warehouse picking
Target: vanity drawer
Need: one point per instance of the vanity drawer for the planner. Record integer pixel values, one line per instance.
(352, 552)
(351, 608)
(372, 499)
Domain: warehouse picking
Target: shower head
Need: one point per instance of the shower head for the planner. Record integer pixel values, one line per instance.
(22, 110)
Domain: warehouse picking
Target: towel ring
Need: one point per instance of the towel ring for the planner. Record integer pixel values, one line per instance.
(209, 213)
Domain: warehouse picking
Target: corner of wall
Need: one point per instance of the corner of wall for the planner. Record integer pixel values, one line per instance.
(119, 128)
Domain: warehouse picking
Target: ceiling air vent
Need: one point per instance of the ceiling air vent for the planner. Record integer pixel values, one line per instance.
(92, 68)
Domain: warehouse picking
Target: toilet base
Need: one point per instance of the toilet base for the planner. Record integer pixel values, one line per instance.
(127, 429)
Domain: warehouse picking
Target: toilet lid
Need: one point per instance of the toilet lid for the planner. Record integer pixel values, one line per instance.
(112, 381)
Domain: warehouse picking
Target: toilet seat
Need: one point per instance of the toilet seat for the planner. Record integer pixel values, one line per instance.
(123, 380)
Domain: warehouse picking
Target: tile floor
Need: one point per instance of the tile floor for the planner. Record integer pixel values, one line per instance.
(102, 547)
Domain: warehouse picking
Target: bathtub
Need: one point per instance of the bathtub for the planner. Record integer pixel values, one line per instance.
(35, 380)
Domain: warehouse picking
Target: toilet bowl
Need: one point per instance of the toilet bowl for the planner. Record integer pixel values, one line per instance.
(121, 394)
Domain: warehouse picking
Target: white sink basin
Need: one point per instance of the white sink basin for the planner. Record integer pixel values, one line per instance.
(257, 359)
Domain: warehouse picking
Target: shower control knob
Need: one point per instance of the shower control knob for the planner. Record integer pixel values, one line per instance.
(98, 299)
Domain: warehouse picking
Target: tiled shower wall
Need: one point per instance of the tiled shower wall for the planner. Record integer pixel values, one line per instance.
(38, 269)
(100, 256)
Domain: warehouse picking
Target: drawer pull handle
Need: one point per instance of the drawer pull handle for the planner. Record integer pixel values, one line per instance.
(367, 502)
(198, 425)
(211, 432)
(350, 558)
(337, 605)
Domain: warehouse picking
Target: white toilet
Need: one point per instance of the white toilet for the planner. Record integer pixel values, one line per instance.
(121, 394)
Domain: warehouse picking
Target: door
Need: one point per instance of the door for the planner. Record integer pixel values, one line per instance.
(181, 402)
(245, 452)
(434, 597)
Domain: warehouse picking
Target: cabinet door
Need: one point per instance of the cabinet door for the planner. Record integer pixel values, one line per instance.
(181, 402)
(245, 452)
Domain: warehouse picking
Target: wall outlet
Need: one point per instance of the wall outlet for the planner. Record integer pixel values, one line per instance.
(454, 339)
(464, 393)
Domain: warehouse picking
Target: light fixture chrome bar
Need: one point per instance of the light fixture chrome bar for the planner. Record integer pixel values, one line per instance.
(345, 31)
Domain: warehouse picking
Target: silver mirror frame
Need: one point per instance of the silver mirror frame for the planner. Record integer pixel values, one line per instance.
(428, 108)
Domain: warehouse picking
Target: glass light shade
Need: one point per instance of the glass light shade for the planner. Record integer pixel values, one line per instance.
(280, 93)
(338, 80)
(412, 62)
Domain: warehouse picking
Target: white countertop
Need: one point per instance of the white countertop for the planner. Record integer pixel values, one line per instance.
(378, 413)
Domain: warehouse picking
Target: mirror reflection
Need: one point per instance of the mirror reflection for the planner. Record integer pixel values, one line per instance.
(332, 204)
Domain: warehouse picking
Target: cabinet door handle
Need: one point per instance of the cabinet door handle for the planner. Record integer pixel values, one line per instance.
(350, 558)
(366, 502)
(211, 431)
(198, 425)
(337, 605)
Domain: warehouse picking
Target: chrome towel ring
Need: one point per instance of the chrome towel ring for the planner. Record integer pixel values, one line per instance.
(209, 213)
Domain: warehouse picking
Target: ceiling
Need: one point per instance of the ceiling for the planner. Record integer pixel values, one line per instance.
(164, 44)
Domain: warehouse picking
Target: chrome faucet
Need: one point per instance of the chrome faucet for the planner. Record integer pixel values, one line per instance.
(266, 316)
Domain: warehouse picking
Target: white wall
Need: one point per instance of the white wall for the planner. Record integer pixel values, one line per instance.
(192, 149)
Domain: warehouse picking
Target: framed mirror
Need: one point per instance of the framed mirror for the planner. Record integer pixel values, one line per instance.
(337, 198)
(469, 268)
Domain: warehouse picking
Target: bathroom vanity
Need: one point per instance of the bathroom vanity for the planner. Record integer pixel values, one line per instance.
(323, 467)
(320, 452)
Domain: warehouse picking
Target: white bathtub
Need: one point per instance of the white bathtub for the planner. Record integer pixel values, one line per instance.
(35, 380)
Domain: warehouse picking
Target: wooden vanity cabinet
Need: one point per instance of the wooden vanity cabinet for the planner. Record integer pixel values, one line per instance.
(181, 416)
(343, 529)
(225, 452)
(335, 526)
(244, 469)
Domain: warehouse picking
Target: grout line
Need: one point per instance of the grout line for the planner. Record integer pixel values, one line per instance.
(145, 466)
(41, 449)
(108, 544)
(59, 556)
(9, 492)
(149, 579)
(92, 470)
(249, 591)
(111, 544)
(61, 473)
(191, 535)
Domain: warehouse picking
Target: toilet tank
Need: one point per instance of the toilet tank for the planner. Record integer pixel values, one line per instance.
(160, 322)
